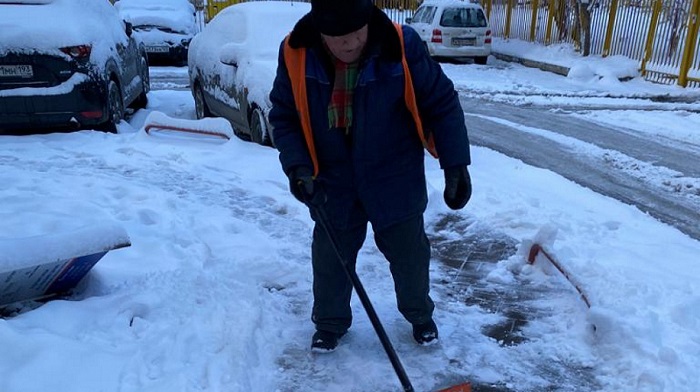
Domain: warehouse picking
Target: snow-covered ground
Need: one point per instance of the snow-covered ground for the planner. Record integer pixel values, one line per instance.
(214, 292)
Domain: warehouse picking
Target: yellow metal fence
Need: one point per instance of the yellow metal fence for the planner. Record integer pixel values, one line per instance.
(213, 7)
(661, 34)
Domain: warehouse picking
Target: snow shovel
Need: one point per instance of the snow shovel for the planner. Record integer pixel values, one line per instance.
(204, 129)
(364, 299)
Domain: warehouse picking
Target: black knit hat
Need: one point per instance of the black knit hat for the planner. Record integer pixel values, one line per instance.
(340, 17)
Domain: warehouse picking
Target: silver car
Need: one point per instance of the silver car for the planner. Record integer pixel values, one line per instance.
(232, 64)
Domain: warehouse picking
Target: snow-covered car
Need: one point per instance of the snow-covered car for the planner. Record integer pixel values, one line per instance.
(455, 29)
(233, 61)
(67, 63)
(166, 27)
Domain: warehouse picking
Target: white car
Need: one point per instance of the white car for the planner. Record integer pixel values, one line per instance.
(166, 27)
(232, 63)
(453, 29)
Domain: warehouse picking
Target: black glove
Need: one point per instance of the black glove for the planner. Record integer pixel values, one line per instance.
(304, 187)
(458, 187)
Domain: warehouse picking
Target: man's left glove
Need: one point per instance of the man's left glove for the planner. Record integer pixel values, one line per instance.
(305, 188)
(458, 187)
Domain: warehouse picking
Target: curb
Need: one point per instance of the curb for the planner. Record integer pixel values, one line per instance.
(557, 69)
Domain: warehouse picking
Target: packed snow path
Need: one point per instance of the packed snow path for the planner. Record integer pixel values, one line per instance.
(482, 312)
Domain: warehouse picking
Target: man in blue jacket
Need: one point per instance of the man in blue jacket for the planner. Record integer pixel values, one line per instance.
(368, 160)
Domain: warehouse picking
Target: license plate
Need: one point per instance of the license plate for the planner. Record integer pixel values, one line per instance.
(16, 71)
(463, 41)
(157, 49)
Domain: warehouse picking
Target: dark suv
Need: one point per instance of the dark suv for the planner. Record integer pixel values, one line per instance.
(67, 64)
(166, 27)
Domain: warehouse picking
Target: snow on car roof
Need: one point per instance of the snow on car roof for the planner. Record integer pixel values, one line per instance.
(177, 15)
(61, 23)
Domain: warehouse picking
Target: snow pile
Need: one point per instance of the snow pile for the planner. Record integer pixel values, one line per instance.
(29, 251)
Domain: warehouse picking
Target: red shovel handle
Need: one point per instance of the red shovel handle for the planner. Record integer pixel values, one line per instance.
(532, 256)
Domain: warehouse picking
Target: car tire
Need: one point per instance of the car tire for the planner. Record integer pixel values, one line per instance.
(142, 100)
(115, 106)
(200, 105)
(481, 60)
(258, 131)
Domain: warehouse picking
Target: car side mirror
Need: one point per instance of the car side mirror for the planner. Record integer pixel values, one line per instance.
(230, 54)
(128, 28)
(409, 20)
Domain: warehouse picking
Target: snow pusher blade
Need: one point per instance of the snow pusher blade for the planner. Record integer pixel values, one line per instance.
(466, 387)
(64, 261)
(158, 122)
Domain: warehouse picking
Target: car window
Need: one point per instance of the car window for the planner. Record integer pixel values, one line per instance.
(463, 17)
(429, 14)
(418, 15)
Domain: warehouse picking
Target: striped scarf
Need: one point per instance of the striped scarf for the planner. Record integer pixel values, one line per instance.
(340, 107)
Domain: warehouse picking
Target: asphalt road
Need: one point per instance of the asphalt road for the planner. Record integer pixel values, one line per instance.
(503, 128)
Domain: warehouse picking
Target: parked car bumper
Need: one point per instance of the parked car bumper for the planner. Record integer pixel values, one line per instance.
(439, 50)
(166, 54)
(82, 106)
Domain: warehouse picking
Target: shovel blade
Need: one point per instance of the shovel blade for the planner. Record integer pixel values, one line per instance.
(465, 387)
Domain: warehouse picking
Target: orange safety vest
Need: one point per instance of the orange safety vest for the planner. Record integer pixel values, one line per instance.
(295, 60)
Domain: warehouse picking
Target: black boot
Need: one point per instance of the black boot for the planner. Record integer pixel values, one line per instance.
(325, 341)
(425, 334)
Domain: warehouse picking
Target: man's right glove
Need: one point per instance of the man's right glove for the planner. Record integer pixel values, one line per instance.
(304, 187)
(458, 187)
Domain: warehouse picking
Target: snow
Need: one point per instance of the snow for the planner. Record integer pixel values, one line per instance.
(206, 127)
(22, 252)
(214, 293)
(177, 15)
(63, 23)
(63, 88)
(236, 36)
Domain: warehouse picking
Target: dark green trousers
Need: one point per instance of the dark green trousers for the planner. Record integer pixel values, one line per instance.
(404, 245)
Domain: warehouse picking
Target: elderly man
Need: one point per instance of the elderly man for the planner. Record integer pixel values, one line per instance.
(350, 146)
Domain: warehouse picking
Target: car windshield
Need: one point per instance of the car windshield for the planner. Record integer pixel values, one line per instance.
(260, 41)
(463, 17)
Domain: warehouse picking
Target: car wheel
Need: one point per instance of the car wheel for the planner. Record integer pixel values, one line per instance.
(258, 131)
(142, 100)
(115, 105)
(481, 60)
(200, 105)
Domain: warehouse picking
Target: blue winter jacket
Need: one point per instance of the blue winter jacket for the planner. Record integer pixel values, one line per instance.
(377, 172)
